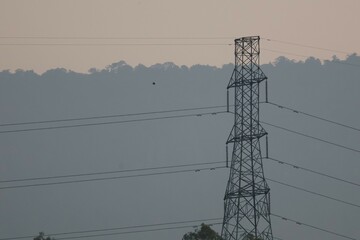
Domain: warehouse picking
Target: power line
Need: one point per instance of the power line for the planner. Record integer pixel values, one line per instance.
(129, 232)
(161, 173)
(117, 228)
(284, 52)
(167, 228)
(313, 171)
(115, 44)
(153, 44)
(109, 178)
(108, 172)
(142, 231)
(171, 111)
(107, 123)
(164, 173)
(109, 229)
(305, 46)
(112, 38)
(160, 44)
(149, 44)
(163, 38)
(314, 193)
(313, 227)
(312, 137)
(166, 117)
(314, 116)
(157, 118)
(110, 116)
(98, 173)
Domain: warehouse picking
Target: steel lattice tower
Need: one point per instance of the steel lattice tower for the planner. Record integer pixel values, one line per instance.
(247, 196)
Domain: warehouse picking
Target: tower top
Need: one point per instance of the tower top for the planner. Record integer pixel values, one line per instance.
(247, 39)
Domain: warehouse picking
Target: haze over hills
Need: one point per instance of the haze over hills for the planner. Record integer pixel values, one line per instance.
(329, 89)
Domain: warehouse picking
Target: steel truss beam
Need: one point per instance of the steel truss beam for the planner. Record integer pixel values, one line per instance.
(247, 196)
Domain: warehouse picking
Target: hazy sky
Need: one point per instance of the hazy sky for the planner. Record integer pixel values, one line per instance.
(329, 91)
(329, 24)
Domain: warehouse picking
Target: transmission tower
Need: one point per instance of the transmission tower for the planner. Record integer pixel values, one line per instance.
(247, 196)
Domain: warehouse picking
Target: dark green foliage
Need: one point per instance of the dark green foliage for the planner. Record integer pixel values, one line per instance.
(42, 237)
(251, 237)
(205, 233)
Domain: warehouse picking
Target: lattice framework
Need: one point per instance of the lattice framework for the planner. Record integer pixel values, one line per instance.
(247, 196)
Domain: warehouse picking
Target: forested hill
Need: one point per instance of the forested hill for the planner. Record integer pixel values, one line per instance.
(132, 140)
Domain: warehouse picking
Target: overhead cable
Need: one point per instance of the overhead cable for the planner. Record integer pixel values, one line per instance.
(108, 178)
(164, 173)
(314, 116)
(314, 193)
(109, 116)
(303, 45)
(168, 111)
(111, 38)
(312, 137)
(115, 44)
(313, 171)
(107, 123)
(109, 172)
(129, 232)
(116, 228)
(314, 227)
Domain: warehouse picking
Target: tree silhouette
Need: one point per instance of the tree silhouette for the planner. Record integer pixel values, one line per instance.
(205, 233)
(42, 237)
(251, 237)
